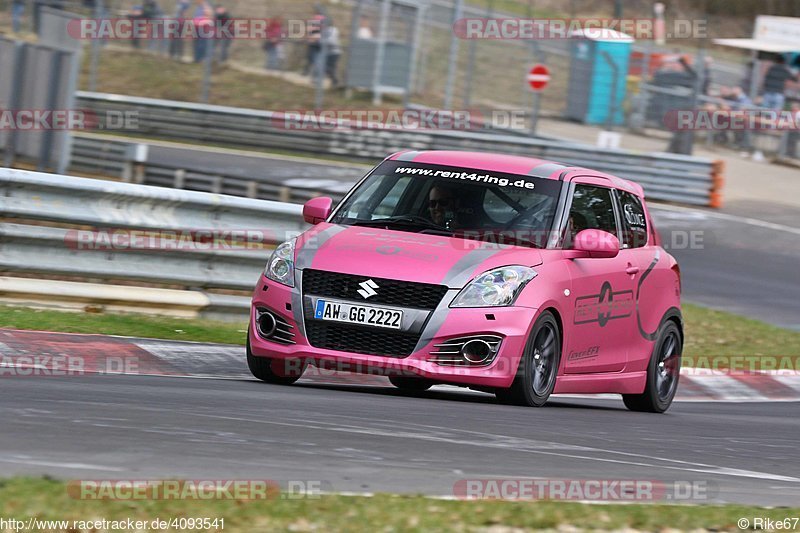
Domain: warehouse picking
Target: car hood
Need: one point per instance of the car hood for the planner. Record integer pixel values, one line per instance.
(417, 257)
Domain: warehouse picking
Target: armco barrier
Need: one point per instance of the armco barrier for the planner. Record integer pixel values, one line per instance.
(46, 217)
(669, 177)
(115, 159)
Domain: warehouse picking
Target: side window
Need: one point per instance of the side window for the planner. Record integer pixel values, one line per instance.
(634, 229)
(592, 208)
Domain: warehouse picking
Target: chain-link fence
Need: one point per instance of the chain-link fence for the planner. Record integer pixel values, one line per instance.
(363, 53)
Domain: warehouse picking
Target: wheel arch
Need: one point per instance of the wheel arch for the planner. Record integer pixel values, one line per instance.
(560, 323)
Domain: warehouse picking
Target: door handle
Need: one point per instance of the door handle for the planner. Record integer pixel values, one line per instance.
(632, 270)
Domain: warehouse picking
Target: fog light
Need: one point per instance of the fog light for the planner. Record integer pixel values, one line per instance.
(266, 324)
(476, 351)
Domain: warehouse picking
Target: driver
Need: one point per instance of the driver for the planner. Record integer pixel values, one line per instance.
(443, 206)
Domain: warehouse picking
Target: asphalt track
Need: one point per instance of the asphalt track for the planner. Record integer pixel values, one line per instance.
(372, 439)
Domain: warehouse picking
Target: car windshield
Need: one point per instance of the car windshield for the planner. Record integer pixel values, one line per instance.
(460, 202)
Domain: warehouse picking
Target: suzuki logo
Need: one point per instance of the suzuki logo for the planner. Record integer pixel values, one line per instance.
(367, 288)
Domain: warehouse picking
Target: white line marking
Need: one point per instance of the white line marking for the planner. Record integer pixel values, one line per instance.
(26, 460)
(508, 442)
(724, 216)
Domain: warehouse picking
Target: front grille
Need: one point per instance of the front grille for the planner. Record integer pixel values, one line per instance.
(366, 340)
(389, 291)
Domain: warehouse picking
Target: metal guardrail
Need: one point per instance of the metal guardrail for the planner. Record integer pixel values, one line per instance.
(51, 215)
(115, 158)
(677, 178)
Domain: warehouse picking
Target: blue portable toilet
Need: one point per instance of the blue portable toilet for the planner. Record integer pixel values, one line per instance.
(593, 80)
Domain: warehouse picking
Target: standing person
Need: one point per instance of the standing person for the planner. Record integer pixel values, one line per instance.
(774, 84)
(203, 20)
(150, 12)
(314, 45)
(793, 136)
(17, 11)
(222, 17)
(135, 14)
(176, 43)
(333, 48)
(274, 44)
(707, 74)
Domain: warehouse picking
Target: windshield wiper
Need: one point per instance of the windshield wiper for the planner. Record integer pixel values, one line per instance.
(401, 220)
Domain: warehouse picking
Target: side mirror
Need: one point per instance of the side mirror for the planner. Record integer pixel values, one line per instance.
(317, 210)
(595, 243)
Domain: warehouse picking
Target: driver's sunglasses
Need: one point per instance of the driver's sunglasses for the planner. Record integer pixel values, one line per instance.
(444, 202)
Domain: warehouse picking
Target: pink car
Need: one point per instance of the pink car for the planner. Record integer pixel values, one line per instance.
(505, 274)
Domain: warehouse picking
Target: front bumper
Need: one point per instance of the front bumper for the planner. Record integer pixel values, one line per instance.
(512, 324)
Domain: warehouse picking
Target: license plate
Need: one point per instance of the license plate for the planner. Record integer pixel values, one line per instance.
(358, 314)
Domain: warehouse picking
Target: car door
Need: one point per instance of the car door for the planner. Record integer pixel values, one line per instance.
(603, 288)
(654, 296)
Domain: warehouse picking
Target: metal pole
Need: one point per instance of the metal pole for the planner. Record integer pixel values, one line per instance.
(321, 64)
(536, 98)
(95, 58)
(413, 42)
(46, 146)
(354, 25)
(535, 112)
(452, 60)
(15, 100)
(473, 44)
(73, 61)
(377, 72)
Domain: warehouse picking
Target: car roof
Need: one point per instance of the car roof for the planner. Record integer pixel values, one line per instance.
(510, 164)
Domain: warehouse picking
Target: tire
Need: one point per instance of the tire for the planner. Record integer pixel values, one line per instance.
(663, 373)
(273, 371)
(410, 384)
(538, 367)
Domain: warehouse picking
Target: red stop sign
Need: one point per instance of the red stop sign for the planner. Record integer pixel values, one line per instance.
(538, 77)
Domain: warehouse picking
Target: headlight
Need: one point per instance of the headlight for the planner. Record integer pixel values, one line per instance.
(494, 288)
(280, 266)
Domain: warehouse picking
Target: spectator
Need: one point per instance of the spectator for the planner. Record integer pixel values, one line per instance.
(274, 44)
(150, 12)
(312, 52)
(222, 17)
(740, 97)
(135, 14)
(333, 50)
(364, 28)
(176, 43)
(793, 136)
(17, 11)
(203, 20)
(707, 74)
(774, 84)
